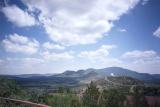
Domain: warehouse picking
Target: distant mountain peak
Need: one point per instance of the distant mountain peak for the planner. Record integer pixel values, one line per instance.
(80, 71)
(68, 72)
(94, 74)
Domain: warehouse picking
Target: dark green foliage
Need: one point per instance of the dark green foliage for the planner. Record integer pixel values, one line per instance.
(44, 82)
(152, 91)
(9, 88)
(76, 103)
(91, 96)
(139, 99)
(63, 89)
(62, 100)
(112, 98)
(34, 96)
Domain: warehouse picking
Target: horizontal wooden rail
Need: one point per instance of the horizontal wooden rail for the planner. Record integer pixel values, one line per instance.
(31, 104)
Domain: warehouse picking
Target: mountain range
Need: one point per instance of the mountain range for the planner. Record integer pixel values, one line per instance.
(80, 77)
(112, 71)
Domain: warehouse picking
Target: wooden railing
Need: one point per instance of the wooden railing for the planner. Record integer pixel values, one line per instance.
(9, 102)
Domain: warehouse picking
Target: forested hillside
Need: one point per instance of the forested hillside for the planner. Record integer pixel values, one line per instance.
(95, 94)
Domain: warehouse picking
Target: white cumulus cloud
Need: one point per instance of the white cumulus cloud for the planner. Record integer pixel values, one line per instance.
(79, 21)
(48, 45)
(157, 32)
(25, 60)
(100, 53)
(144, 2)
(139, 54)
(20, 44)
(18, 16)
(53, 56)
(143, 61)
(122, 30)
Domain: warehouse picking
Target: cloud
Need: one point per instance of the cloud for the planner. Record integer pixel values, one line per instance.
(152, 60)
(142, 61)
(48, 45)
(99, 54)
(79, 21)
(32, 61)
(143, 57)
(1, 61)
(52, 56)
(26, 60)
(100, 58)
(21, 65)
(144, 2)
(122, 30)
(20, 44)
(157, 32)
(139, 54)
(150, 65)
(18, 16)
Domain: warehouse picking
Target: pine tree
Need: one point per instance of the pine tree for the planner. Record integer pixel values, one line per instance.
(112, 98)
(139, 99)
(91, 95)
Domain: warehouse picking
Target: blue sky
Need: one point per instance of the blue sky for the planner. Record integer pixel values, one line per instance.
(54, 36)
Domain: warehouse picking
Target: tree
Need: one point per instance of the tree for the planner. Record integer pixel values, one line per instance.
(9, 88)
(139, 99)
(75, 103)
(91, 96)
(112, 98)
(61, 100)
(63, 89)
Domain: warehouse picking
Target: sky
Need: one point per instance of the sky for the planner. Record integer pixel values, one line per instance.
(56, 35)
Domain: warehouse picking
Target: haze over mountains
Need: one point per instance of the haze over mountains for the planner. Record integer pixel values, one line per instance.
(110, 71)
(74, 78)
